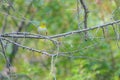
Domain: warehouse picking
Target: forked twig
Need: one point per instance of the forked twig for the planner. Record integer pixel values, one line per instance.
(85, 16)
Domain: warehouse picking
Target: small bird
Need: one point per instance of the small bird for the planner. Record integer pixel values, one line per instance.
(42, 29)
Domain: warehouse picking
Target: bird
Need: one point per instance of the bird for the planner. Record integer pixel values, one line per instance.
(42, 29)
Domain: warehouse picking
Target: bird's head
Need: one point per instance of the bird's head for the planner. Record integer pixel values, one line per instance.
(42, 25)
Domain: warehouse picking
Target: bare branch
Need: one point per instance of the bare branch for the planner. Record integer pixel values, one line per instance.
(10, 4)
(84, 30)
(103, 30)
(25, 47)
(37, 36)
(85, 16)
(21, 25)
(3, 51)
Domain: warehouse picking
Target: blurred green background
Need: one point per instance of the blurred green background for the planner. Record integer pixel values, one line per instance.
(95, 59)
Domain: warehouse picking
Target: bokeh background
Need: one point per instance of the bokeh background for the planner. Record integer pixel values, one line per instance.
(95, 59)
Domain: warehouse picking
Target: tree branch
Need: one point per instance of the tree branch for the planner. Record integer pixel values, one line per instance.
(38, 36)
(3, 51)
(25, 47)
(85, 16)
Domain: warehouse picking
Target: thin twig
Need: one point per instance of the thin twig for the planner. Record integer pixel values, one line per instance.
(4, 23)
(78, 14)
(103, 30)
(10, 4)
(3, 51)
(115, 31)
(85, 16)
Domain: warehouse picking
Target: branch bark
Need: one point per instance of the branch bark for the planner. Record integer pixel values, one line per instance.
(37, 36)
(85, 16)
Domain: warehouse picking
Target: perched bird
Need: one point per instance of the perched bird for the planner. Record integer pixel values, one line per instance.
(42, 29)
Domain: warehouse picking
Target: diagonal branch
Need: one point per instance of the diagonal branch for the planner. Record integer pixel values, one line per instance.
(25, 47)
(21, 25)
(85, 16)
(37, 36)
(4, 54)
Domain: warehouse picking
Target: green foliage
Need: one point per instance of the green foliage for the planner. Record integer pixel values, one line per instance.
(94, 59)
(116, 15)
